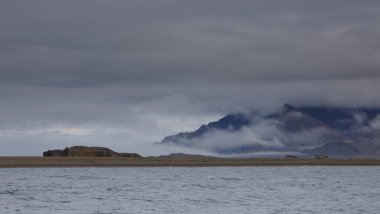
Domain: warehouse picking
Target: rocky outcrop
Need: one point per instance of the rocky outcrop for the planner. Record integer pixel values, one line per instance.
(126, 155)
(56, 152)
(84, 151)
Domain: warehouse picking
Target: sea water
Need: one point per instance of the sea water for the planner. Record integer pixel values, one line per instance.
(191, 190)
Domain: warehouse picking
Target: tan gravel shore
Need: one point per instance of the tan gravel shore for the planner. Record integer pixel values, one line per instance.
(13, 162)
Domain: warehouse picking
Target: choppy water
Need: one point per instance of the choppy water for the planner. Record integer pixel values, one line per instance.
(191, 190)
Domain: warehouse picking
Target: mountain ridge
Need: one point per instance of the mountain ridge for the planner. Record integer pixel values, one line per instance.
(310, 130)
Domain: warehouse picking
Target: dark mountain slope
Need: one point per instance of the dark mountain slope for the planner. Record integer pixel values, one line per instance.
(342, 118)
(334, 131)
(231, 122)
(334, 149)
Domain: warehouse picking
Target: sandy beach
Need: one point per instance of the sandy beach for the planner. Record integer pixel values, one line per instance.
(16, 162)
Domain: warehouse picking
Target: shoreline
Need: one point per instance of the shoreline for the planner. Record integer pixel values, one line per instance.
(44, 162)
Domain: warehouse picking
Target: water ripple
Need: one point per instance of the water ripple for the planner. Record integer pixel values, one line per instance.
(191, 190)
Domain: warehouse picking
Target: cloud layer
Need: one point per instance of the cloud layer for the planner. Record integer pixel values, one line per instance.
(124, 74)
(264, 135)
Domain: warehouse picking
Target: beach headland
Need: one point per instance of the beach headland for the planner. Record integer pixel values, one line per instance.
(19, 162)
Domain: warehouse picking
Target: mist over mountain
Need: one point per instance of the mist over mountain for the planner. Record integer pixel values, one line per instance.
(302, 130)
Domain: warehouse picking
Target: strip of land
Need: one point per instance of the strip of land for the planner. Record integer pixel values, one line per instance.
(20, 162)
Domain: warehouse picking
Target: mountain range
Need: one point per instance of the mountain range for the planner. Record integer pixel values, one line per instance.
(329, 131)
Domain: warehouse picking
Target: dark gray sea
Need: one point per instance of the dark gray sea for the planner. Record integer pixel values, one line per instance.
(191, 190)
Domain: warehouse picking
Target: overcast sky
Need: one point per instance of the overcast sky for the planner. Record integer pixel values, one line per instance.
(125, 74)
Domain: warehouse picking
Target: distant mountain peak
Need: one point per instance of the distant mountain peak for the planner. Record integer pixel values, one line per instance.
(298, 129)
(288, 108)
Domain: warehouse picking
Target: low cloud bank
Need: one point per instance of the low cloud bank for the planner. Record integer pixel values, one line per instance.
(263, 136)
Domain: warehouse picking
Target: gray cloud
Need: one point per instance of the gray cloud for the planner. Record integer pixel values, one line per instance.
(375, 123)
(145, 69)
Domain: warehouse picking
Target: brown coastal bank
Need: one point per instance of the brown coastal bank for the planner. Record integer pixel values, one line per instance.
(10, 162)
(80, 156)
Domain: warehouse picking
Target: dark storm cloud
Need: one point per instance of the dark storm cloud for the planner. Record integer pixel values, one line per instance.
(120, 42)
(150, 68)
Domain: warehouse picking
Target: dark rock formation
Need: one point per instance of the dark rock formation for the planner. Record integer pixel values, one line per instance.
(84, 151)
(56, 152)
(320, 157)
(126, 155)
(183, 155)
